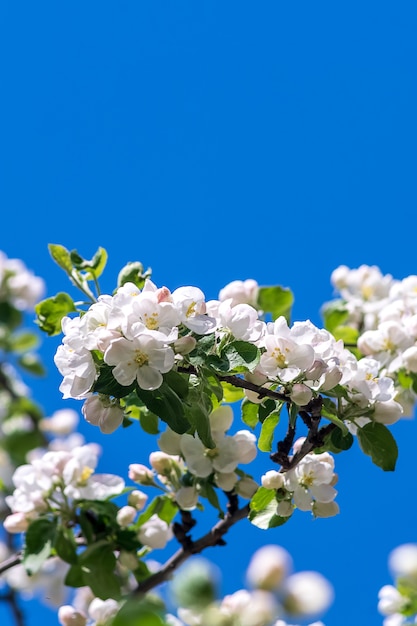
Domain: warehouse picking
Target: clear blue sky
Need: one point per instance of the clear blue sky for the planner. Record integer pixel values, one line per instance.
(214, 141)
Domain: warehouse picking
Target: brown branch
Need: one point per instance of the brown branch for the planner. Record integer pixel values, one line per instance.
(212, 538)
(14, 559)
(236, 381)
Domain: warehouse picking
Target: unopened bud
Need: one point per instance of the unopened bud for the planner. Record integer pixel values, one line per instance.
(272, 480)
(68, 616)
(141, 474)
(126, 515)
(138, 499)
(185, 345)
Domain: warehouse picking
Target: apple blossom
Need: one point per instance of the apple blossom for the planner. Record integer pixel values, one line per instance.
(103, 412)
(155, 533)
(143, 358)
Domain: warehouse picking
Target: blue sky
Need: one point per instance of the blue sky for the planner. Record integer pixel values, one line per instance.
(216, 141)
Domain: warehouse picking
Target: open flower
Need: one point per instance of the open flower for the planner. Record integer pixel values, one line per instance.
(143, 358)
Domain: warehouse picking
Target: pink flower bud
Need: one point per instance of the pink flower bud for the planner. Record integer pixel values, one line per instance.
(141, 474)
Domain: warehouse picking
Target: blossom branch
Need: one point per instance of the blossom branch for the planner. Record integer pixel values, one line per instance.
(236, 381)
(12, 561)
(213, 538)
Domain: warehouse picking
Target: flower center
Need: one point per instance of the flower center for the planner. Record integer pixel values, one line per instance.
(151, 321)
(85, 475)
(279, 357)
(191, 309)
(141, 358)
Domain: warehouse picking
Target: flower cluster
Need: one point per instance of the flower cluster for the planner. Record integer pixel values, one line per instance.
(134, 332)
(384, 312)
(18, 285)
(54, 482)
(309, 486)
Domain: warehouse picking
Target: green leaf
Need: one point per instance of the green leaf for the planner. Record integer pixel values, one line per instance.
(205, 347)
(65, 545)
(267, 407)
(242, 356)
(276, 300)
(197, 410)
(231, 393)
(261, 498)
(98, 563)
(208, 491)
(267, 432)
(61, 256)
(143, 612)
(9, 316)
(75, 577)
(250, 413)
(162, 506)
(263, 509)
(335, 314)
(178, 383)
(149, 422)
(165, 403)
(212, 385)
(133, 273)
(23, 341)
(340, 441)
(39, 539)
(348, 334)
(377, 442)
(32, 364)
(98, 262)
(51, 311)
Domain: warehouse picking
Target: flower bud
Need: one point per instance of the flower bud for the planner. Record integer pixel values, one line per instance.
(102, 413)
(273, 480)
(184, 345)
(141, 474)
(187, 498)
(155, 533)
(138, 499)
(301, 394)
(68, 616)
(387, 412)
(161, 462)
(126, 515)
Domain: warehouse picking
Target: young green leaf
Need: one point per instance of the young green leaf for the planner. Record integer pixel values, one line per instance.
(51, 311)
(61, 256)
(276, 300)
(39, 540)
(267, 432)
(377, 442)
